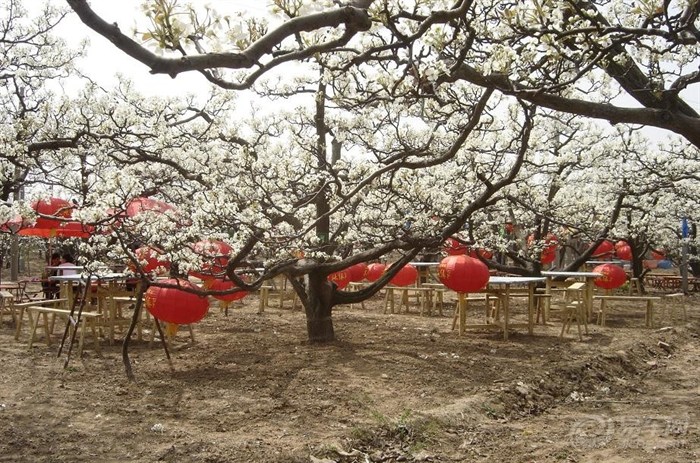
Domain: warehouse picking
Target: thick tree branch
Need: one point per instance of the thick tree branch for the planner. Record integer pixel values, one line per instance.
(354, 19)
(675, 121)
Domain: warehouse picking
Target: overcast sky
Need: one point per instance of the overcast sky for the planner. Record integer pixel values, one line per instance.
(104, 60)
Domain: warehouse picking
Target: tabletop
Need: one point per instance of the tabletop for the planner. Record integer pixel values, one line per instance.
(499, 280)
(93, 277)
(572, 274)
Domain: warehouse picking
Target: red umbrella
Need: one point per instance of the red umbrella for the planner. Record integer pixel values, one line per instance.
(133, 208)
(11, 226)
(49, 227)
(139, 205)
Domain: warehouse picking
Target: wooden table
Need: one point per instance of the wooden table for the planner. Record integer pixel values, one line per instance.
(424, 271)
(17, 288)
(501, 287)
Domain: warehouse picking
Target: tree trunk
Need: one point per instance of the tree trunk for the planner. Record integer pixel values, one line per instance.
(319, 309)
(637, 263)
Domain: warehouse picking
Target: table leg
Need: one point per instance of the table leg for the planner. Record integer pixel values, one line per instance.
(547, 300)
(506, 313)
(588, 298)
(462, 313)
(530, 308)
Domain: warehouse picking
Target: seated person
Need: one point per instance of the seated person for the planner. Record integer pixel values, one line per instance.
(49, 287)
(67, 261)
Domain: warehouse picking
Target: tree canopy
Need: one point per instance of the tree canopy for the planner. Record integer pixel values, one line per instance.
(379, 130)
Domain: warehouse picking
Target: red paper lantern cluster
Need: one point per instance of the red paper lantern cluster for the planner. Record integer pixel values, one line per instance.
(406, 276)
(604, 249)
(375, 271)
(658, 254)
(217, 284)
(612, 276)
(463, 274)
(173, 305)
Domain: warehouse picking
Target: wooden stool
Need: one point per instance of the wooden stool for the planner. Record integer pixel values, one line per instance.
(7, 306)
(574, 310)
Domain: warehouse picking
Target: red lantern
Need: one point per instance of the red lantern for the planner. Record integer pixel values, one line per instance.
(509, 228)
(549, 252)
(483, 253)
(658, 255)
(216, 254)
(406, 276)
(623, 252)
(357, 271)
(603, 249)
(375, 271)
(612, 276)
(463, 274)
(548, 256)
(216, 284)
(153, 259)
(173, 305)
(341, 278)
(454, 247)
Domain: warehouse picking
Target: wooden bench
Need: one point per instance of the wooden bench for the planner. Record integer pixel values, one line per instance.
(20, 309)
(648, 315)
(670, 309)
(491, 308)
(423, 296)
(36, 313)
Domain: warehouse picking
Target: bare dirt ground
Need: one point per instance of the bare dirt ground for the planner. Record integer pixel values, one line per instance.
(392, 388)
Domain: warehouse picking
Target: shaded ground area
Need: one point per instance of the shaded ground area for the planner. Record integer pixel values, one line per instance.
(393, 388)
